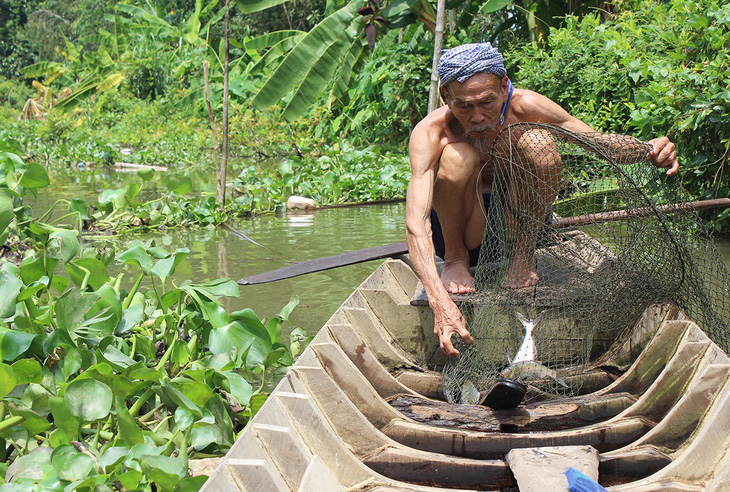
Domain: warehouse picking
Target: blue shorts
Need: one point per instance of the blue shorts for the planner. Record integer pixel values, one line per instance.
(438, 235)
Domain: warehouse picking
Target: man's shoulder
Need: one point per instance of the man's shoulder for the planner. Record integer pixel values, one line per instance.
(526, 102)
(533, 107)
(435, 127)
(436, 120)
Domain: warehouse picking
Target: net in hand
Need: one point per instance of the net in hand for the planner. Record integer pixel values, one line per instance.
(608, 235)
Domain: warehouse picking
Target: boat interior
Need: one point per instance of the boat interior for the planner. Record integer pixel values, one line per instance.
(363, 409)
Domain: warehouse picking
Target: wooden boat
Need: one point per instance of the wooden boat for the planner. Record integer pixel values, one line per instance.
(361, 411)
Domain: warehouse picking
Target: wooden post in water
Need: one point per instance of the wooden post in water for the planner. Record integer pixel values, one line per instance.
(213, 131)
(224, 160)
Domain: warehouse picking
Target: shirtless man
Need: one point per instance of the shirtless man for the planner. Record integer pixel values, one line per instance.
(449, 152)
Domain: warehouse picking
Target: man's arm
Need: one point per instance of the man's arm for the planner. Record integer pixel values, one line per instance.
(424, 153)
(538, 108)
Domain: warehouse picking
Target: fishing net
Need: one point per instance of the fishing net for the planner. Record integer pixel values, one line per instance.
(609, 235)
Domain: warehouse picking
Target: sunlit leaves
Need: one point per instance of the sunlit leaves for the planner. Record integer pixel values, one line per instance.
(70, 464)
(7, 380)
(123, 369)
(87, 272)
(10, 287)
(250, 6)
(166, 266)
(13, 343)
(88, 399)
(310, 55)
(34, 177)
(66, 243)
(137, 256)
(27, 371)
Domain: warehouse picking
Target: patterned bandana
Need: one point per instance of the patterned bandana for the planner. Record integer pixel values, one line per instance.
(466, 60)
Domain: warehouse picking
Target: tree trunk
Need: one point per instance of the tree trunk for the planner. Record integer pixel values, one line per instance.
(453, 20)
(433, 95)
(224, 159)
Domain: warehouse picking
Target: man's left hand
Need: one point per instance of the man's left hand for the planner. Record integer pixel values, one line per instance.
(664, 154)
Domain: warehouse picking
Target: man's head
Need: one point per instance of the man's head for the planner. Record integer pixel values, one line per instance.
(467, 60)
(475, 82)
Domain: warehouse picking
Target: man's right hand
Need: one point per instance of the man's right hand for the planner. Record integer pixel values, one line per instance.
(447, 321)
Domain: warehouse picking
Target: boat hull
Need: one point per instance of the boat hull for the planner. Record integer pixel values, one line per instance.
(361, 410)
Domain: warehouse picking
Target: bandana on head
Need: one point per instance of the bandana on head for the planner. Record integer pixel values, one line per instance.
(466, 60)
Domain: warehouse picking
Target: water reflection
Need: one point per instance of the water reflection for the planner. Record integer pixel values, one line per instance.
(284, 239)
(300, 219)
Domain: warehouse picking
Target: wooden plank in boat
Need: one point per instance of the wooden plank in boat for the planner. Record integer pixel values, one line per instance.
(621, 466)
(541, 469)
(551, 415)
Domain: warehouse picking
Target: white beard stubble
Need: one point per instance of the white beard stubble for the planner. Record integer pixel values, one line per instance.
(482, 145)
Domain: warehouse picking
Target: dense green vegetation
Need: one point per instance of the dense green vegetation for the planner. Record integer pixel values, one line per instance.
(659, 70)
(106, 383)
(145, 379)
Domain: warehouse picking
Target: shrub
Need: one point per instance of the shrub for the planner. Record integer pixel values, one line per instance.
(660, 70)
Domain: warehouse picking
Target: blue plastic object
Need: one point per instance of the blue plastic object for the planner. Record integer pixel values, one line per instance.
(580, 482)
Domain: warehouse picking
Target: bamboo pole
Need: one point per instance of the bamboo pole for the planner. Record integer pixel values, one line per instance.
(214, 133)
(433, 94)
(224, 159)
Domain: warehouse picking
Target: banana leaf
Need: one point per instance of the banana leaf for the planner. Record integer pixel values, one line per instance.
(309, 56)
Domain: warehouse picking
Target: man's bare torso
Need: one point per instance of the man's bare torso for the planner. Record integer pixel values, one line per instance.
(441, 126)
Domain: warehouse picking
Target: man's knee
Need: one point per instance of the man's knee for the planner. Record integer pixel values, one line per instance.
(539, 150)
(459, 162)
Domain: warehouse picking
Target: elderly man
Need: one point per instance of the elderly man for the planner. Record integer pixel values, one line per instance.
(450, 161)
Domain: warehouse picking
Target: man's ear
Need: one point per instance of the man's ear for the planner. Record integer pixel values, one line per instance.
(505, 85)
(446, 95)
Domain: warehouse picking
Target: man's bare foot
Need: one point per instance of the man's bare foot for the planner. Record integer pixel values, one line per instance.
(520, 274)
(457, 279)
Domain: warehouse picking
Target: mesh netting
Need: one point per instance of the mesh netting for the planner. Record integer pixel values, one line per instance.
(608, 235)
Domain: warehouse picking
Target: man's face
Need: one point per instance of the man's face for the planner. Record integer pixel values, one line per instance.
(477, 103)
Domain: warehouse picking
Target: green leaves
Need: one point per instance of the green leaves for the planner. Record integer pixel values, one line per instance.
(99, 355)
(7, 380)
(128, 429)
(137, 255)
(88, 399)
(166, 266)
(250, 6)
(6, 210)
(70, 464)
(317, 56)
(13, 343)
(66, 243)
(34, 177)
(10, 287)
(87, 272)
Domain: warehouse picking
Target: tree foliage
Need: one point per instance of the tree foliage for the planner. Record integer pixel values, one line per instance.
(659, 70)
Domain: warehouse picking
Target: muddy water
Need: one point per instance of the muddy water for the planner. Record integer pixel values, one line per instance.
(288, 238)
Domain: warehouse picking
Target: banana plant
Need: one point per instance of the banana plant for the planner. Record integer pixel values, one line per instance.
(328, 54)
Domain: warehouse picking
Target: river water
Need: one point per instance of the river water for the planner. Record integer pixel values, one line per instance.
(286, 238)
